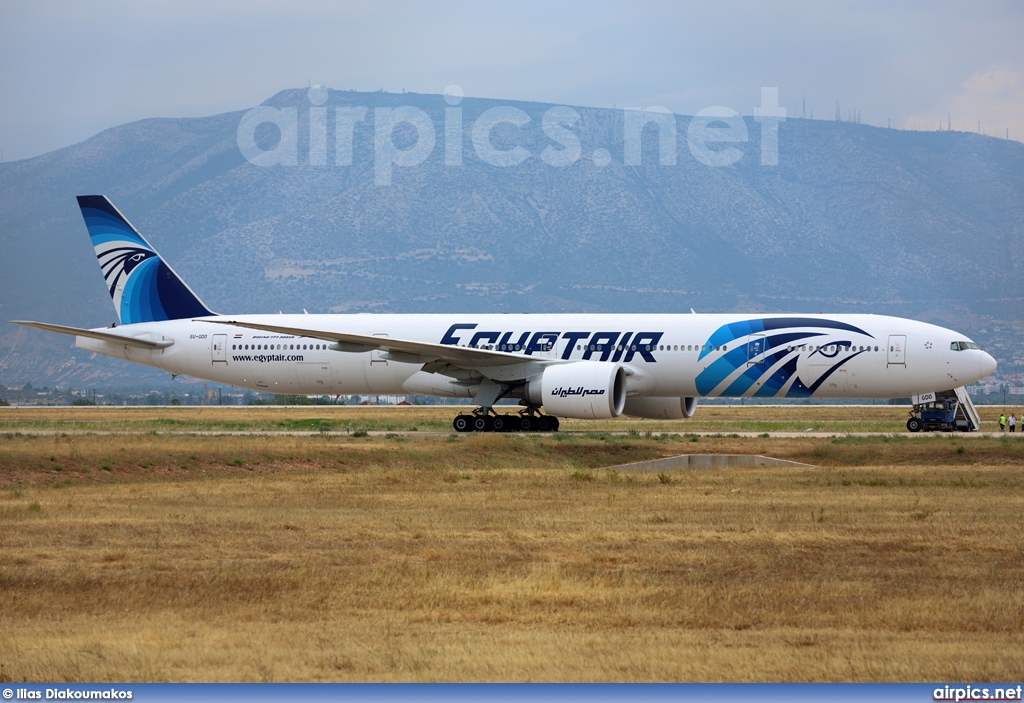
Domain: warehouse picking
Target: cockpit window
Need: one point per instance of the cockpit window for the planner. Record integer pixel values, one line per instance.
(963, 346)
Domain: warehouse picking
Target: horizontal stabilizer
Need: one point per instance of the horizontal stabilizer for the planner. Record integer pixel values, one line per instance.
(141, 342)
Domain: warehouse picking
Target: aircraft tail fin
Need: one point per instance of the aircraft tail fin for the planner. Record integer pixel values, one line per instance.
(141, 284)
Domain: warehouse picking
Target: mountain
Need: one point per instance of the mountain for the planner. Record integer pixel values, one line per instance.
(853, 218)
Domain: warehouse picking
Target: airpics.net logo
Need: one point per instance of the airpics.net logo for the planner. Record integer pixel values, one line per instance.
(713, 135)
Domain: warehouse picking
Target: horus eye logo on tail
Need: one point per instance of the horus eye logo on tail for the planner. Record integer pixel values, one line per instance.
(117, 263)
(143, 287)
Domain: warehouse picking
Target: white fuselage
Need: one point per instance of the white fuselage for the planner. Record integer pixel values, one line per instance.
(689, 355)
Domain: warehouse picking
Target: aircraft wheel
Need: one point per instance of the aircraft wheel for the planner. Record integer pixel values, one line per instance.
(914, 424)
(525, 423)
(481, 423)
(544, 423)
(554, 424)
(499, 423)
(461, 423)
(513, 423)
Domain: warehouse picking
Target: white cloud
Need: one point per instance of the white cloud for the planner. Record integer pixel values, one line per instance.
(991, 99)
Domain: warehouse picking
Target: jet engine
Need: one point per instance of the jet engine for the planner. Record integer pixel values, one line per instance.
(661, 408)
(588, 390)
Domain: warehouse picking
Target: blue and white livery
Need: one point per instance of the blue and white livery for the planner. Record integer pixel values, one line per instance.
(579, 366)
(143, 287)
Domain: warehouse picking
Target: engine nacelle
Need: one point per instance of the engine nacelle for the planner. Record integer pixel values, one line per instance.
(588, 390)
(661, 408)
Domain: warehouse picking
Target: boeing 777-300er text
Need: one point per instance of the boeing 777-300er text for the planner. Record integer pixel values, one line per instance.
(572, 366)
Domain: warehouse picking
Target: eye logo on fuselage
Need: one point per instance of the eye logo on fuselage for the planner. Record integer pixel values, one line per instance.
(765, 356)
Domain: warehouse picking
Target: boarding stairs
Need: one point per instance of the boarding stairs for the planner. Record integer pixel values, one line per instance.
(967, 417)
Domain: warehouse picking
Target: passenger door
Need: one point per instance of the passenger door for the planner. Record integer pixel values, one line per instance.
(219, 349)
(755, 350)
(897, 349)
(377, 355)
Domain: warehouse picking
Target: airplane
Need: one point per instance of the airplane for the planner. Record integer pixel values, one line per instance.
(584, 366)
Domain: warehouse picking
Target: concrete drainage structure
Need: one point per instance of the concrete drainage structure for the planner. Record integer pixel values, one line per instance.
(706, 461)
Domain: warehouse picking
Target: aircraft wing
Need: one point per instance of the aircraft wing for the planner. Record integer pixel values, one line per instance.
(141, 342)
(402, 350)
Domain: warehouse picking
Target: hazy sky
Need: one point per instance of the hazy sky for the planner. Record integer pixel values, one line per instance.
(71, 69)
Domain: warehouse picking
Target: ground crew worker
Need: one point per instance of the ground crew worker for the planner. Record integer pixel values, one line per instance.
(1002, 422)
(1012, 422)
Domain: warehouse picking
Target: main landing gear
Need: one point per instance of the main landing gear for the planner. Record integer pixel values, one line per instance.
(486, 420)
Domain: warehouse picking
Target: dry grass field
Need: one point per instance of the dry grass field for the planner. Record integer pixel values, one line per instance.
(709, 418)
(144, 557)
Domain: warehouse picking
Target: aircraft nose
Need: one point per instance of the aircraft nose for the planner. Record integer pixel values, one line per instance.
(986, 365)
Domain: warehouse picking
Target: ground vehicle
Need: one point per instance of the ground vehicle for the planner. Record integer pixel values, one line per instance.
(939, 414)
